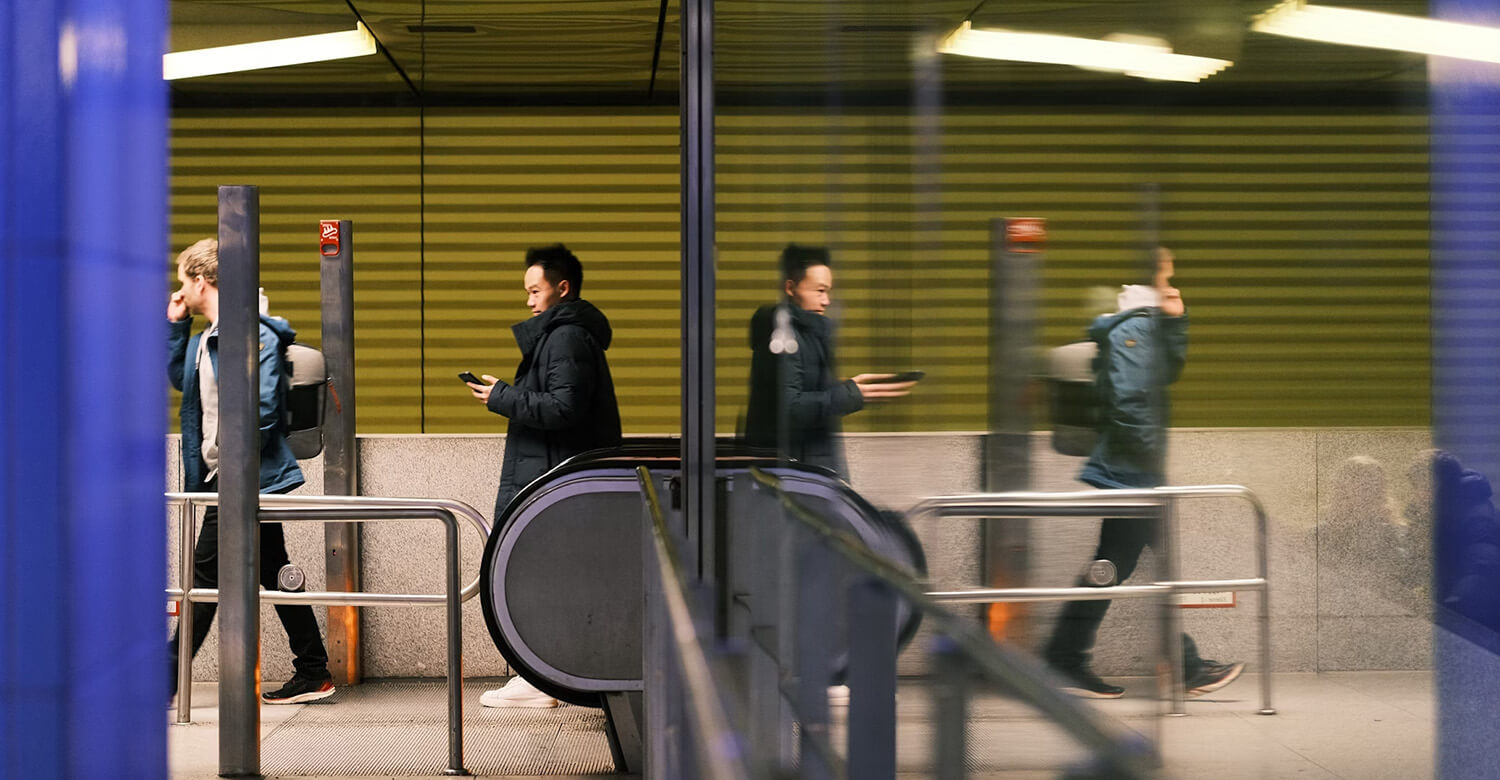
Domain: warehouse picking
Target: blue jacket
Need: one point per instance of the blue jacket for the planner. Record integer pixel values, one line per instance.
(278, 468)
(1141, 352)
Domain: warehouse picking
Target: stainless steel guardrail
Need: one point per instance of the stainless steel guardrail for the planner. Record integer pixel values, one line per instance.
(692, 735)
(965, 649)
(1146, 502)
(339, 509)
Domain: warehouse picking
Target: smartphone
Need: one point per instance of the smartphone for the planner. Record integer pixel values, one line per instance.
(904, 376)
(469, 377)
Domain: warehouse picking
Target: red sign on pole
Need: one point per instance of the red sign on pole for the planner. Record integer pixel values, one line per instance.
(328, 242)
(1025, 234)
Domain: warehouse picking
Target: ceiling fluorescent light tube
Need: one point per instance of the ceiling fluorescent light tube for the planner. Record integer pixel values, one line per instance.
(1377, 30)
(1132, 59)
(268, 54)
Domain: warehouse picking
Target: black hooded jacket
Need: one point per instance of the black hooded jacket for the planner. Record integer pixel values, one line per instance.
(562, 402)
(797, 394)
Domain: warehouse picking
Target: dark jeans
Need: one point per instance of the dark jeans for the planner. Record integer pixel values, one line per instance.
(1121, 541)
(309, 657)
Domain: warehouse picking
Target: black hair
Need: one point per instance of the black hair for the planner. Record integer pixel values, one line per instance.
(558, 263)
(796, 259)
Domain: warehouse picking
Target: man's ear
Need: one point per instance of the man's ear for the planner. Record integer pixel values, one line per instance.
(563, 288)
(790, 286)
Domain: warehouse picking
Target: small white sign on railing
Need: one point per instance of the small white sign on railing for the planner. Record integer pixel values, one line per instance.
(1217, 599)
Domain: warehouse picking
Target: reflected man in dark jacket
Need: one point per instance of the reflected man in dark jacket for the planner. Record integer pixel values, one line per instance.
(797, 401)
(562, 402)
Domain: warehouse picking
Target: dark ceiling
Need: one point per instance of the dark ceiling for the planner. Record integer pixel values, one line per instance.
(570, 51)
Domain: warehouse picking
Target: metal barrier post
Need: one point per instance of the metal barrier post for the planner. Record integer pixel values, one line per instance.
(340, 453)
(1171, 616)
(455, 652)
(786, 640)
(186, 520)
(950, 704)
(872, 681)
(239, 481)
(653, 655)
(1263, 571)
(764, 714)
(813, 654)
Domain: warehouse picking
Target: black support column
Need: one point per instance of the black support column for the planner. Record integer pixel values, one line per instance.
(1016, 253)
(239, 481)
(697, 140)
(340, 456)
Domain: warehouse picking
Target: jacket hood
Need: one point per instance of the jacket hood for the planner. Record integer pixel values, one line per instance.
(576, 312)
(283, 329)
(764, 321)
(1136, 296)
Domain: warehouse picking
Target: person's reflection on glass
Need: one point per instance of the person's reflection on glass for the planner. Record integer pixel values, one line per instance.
(1466, 547)
(797, 401)
(1363, 541)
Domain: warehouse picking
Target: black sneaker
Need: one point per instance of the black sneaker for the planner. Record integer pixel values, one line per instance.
(1212, 676)
(1082, 681)
(300, 689)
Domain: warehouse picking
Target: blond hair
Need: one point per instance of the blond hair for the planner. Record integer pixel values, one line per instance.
(201, 259)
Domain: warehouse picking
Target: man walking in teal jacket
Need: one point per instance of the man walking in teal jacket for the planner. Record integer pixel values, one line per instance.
(193, 368)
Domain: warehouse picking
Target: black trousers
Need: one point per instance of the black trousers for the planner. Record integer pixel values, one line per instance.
(1121, 541)
(309, 657)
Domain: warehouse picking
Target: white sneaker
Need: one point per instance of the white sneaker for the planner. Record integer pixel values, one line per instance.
(517, 693)
(838, 695)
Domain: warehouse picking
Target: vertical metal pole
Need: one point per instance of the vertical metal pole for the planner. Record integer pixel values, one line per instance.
(1263, 570)
(187, 519)
(1171, 617)
(340, 453)
(786, 629)
(698, 290)
(764, 713)
(814, 653)
(1016, 246)
(455, 651)
(872, 681)
(653, 656)
(239, 481)
(950, 704)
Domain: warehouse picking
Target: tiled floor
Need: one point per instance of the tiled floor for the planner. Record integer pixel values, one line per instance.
(1365, 725)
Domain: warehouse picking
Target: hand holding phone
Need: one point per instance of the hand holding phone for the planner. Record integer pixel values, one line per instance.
(904, 376)
(881, 387)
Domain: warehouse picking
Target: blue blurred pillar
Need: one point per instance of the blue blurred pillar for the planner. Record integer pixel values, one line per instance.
(1465, 104)
(83, 261)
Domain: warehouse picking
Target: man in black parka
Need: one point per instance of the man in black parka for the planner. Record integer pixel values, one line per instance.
(797, 401)
(561, 403)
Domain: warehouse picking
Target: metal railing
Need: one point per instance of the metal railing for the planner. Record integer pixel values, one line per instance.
(1152, 503)
(783, 660)
(966, 649)
(688, 721)
(339, 509)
